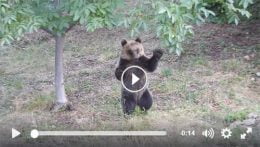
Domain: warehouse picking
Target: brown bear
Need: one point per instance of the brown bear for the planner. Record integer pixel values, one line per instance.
(132, 53)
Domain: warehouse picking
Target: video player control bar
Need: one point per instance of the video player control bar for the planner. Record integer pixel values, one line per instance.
(36, 133)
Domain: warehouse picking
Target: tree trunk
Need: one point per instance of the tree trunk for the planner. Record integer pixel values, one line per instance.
(59, 78)
(61, 99)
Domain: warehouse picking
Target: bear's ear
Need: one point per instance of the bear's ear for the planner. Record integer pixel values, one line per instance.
(138, 40)
(123, 42)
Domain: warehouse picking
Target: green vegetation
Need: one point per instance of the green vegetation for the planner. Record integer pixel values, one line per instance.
(107, 54)
(39, 102)
(231, 65)
(238, 115)
(56, 18)
(199, 60)
(167, 72)
(229, 10)
(173, 21)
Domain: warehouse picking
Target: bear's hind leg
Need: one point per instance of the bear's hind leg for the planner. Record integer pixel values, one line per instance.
(146, 101)
(128, 103)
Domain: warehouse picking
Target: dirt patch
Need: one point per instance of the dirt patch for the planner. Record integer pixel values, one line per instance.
(214, 39)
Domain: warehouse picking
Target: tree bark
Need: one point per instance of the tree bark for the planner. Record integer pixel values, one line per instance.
(59, 77)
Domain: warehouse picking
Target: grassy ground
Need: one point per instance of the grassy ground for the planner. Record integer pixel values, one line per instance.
(212, 85)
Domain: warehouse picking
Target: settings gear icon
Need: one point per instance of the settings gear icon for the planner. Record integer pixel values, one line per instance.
(226, 133)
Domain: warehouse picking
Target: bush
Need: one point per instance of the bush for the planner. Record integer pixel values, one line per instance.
(173, 20)
(234, 116)
(228, 11)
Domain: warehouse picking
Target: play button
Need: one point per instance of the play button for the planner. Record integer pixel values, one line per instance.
(134, 79)
(15, 133)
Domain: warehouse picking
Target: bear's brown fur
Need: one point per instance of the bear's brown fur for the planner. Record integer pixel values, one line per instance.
(132, 53)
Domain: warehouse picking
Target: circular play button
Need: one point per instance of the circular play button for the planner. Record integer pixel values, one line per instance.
(134, 79)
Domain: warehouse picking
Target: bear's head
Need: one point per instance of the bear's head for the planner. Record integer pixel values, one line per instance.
(132, 49)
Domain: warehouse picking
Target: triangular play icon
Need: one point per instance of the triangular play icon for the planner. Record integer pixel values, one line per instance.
(134, 79)
(15, 133)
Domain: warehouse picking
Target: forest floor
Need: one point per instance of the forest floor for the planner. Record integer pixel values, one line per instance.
(213, 84)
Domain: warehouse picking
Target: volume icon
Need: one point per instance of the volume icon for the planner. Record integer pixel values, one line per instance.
(208, 133)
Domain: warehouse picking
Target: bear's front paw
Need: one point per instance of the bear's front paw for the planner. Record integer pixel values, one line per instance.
(158, 53)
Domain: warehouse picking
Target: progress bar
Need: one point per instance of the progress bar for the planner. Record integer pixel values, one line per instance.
(36, 133)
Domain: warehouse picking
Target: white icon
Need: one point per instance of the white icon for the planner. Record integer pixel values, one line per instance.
(226, 133)
(209, 133)
(243, 136)
(249, 130)
(35, 134)
(15, 133)
(134, 79)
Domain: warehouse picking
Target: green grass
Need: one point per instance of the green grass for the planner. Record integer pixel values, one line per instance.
(180, 88)
(112, 105)
(39, 102)
(231, 65)
(192, 96)
(198, 60)
(70, 88)
(238, 115)
(168, 86)
(14, 82)
(2, 72)
(86, 85)
(107, 54)
(166, 72)
(31, 59)
(231, 94)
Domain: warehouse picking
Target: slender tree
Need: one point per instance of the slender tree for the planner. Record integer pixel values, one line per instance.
(55, 17)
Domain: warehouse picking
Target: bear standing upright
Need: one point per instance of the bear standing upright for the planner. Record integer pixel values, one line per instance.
(132, 53)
